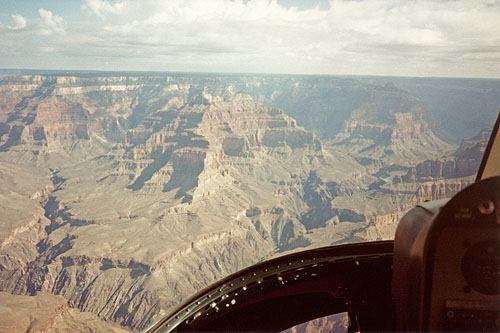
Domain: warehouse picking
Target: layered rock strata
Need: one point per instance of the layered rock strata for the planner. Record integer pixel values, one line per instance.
(47, 313)
(125, 195)
(176, 189)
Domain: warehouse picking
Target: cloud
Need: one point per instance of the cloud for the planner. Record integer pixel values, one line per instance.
(450, 36)
(19, 22)
(378, 37)
(101, 8)
(52, 24)
(344, 37)
(218, 27)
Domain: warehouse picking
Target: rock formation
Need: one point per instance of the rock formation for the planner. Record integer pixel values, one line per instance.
(380, 135)
(123, 195)
(463, 163)
(47, 313)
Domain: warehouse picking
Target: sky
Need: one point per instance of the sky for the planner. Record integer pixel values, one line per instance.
(339, 37)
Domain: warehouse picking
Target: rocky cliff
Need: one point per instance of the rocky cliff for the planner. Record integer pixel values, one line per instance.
(463, 163)
(126, 194)
(376, 133)
(149, 186)
(47, 313)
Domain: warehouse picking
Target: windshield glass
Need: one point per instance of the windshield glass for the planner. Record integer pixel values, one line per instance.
(151, 148)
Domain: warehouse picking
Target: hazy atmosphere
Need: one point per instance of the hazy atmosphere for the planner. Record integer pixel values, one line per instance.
(402, 38)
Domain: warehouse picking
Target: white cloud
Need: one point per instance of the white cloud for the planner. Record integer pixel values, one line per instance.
(19, 22)
(52, 24)
(380, 37)
(204, 28)
(101, 8)
(368, 36)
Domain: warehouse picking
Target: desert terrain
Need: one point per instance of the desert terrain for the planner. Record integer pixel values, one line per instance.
(125, 193)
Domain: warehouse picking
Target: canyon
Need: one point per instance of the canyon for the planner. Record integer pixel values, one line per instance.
(125, 193)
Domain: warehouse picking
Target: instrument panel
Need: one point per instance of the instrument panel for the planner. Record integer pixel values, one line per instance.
(446, 272)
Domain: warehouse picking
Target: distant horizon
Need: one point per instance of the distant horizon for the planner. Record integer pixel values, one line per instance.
(37, 71)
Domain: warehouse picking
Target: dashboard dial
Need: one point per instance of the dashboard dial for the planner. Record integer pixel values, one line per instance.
(481, 267)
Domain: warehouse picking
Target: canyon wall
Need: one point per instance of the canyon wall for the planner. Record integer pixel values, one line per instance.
(123, 195)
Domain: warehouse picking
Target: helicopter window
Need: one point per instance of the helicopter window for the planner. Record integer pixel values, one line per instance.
(490, 165)
(279, 313)
(337, 323)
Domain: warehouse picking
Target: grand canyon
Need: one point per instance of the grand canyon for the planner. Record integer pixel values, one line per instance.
(124, 193)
